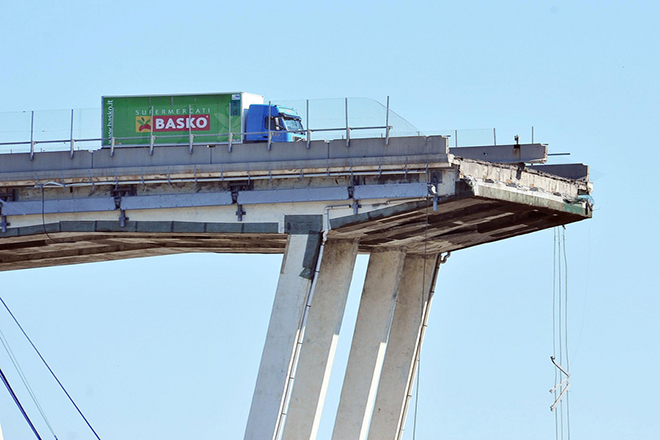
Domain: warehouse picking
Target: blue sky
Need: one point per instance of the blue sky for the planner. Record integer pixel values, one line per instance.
(169, 347)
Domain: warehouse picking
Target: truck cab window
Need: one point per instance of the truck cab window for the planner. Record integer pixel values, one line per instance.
(292, 124)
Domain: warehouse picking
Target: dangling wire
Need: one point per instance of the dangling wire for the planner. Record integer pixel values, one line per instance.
(43, 212)
(419, 354)
(49, 369)
(427, 295)
(18, 404)
(568, 412)
(554, 318)
(24, 379)
(560, 335)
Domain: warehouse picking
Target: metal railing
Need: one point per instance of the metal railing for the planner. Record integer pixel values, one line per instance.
(334, 120)
(193, 139)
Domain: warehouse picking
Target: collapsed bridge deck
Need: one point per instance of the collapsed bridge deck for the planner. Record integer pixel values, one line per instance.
(413, 193)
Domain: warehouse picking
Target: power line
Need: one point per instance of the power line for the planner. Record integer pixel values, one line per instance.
(24, 379)
(18, 404)
(49, 369)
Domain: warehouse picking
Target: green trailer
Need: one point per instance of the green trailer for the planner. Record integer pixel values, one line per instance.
(175, 119)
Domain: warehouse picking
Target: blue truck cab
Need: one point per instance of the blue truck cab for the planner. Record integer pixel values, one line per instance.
(284, 123)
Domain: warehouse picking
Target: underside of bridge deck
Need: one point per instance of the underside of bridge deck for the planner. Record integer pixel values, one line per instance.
(459, 221)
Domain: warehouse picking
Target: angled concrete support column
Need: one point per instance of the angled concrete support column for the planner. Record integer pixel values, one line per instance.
(369, 342)
(320, 340)
(291, 296)
(412, 305)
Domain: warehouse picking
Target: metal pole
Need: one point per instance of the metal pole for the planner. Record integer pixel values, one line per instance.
(494, 137)
(309, 133)
(387, 122)
(270, 136)
(229, 139)
(348, 130)
(32, 136)
(190, 135)
(456, 138)
(151, 132)
(72, 141)
(112, 130)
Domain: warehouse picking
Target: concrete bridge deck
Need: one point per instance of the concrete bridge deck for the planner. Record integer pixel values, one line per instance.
(404, 203)
(94, 207)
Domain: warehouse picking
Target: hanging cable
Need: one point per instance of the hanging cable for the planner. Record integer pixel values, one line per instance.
(427, 295)
(568, 412)
(18, 368)
(554, 319)
(560, 330)
(419, 354)
(560, 336)
(18, 404)
(43, 212)
(49, 369)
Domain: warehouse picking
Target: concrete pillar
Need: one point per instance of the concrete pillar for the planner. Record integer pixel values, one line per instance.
(404, 342)
(320, 340)
(293, 289)
(368, 348)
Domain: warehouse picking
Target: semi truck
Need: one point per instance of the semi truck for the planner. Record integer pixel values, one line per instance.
(202, 118)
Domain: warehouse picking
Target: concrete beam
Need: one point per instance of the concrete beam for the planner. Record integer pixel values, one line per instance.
(369, 342)
(320, 340)
(397, 376)
(527, 153)
(573, 171)
(245, 160)
(283, 330)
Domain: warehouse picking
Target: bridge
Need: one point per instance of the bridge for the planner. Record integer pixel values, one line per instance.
(408, 202)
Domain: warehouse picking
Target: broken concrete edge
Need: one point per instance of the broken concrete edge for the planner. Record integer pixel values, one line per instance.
(572, 171)
(553, 202)
(521, 177)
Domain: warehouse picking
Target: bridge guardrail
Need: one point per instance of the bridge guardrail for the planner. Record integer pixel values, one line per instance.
(332, 119)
